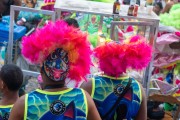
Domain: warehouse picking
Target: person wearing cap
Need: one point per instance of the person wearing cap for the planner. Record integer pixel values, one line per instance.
(63, 52)
(116, 95)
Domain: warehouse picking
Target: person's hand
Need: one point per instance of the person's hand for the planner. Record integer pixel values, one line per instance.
(167, 7)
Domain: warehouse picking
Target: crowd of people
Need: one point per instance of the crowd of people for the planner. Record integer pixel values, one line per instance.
(63, 52)
(68, 55)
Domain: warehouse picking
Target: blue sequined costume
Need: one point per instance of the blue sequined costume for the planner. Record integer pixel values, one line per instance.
(70, 104)
(105, 92)
(5, 112)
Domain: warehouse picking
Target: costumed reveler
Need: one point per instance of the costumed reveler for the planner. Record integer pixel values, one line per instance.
(116, 95)
(63, 52)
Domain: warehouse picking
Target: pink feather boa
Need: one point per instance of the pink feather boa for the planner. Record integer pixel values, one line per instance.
(115, 59)
(36, 47)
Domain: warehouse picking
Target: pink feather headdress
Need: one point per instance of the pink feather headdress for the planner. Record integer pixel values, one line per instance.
(115, 59)
(36, 47)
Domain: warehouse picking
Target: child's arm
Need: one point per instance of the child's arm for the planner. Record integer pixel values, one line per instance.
(17, 112)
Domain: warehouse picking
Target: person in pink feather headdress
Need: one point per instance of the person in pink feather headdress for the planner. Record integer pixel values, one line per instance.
(116, 95)
(63, 52)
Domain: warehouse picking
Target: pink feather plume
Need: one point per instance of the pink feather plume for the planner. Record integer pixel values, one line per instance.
(139, 53)
(115, 59)
(36, 47)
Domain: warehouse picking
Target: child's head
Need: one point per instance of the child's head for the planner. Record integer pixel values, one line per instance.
(157, 7)
(11, 77)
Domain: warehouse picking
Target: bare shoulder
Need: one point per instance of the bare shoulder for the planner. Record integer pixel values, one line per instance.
(87, 86)
(89, 100)
(92, 110)
(17, 112)
(21, 100)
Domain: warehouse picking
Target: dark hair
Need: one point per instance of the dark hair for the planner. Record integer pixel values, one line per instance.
(159, 4)
(12, 76)
(73, 22)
